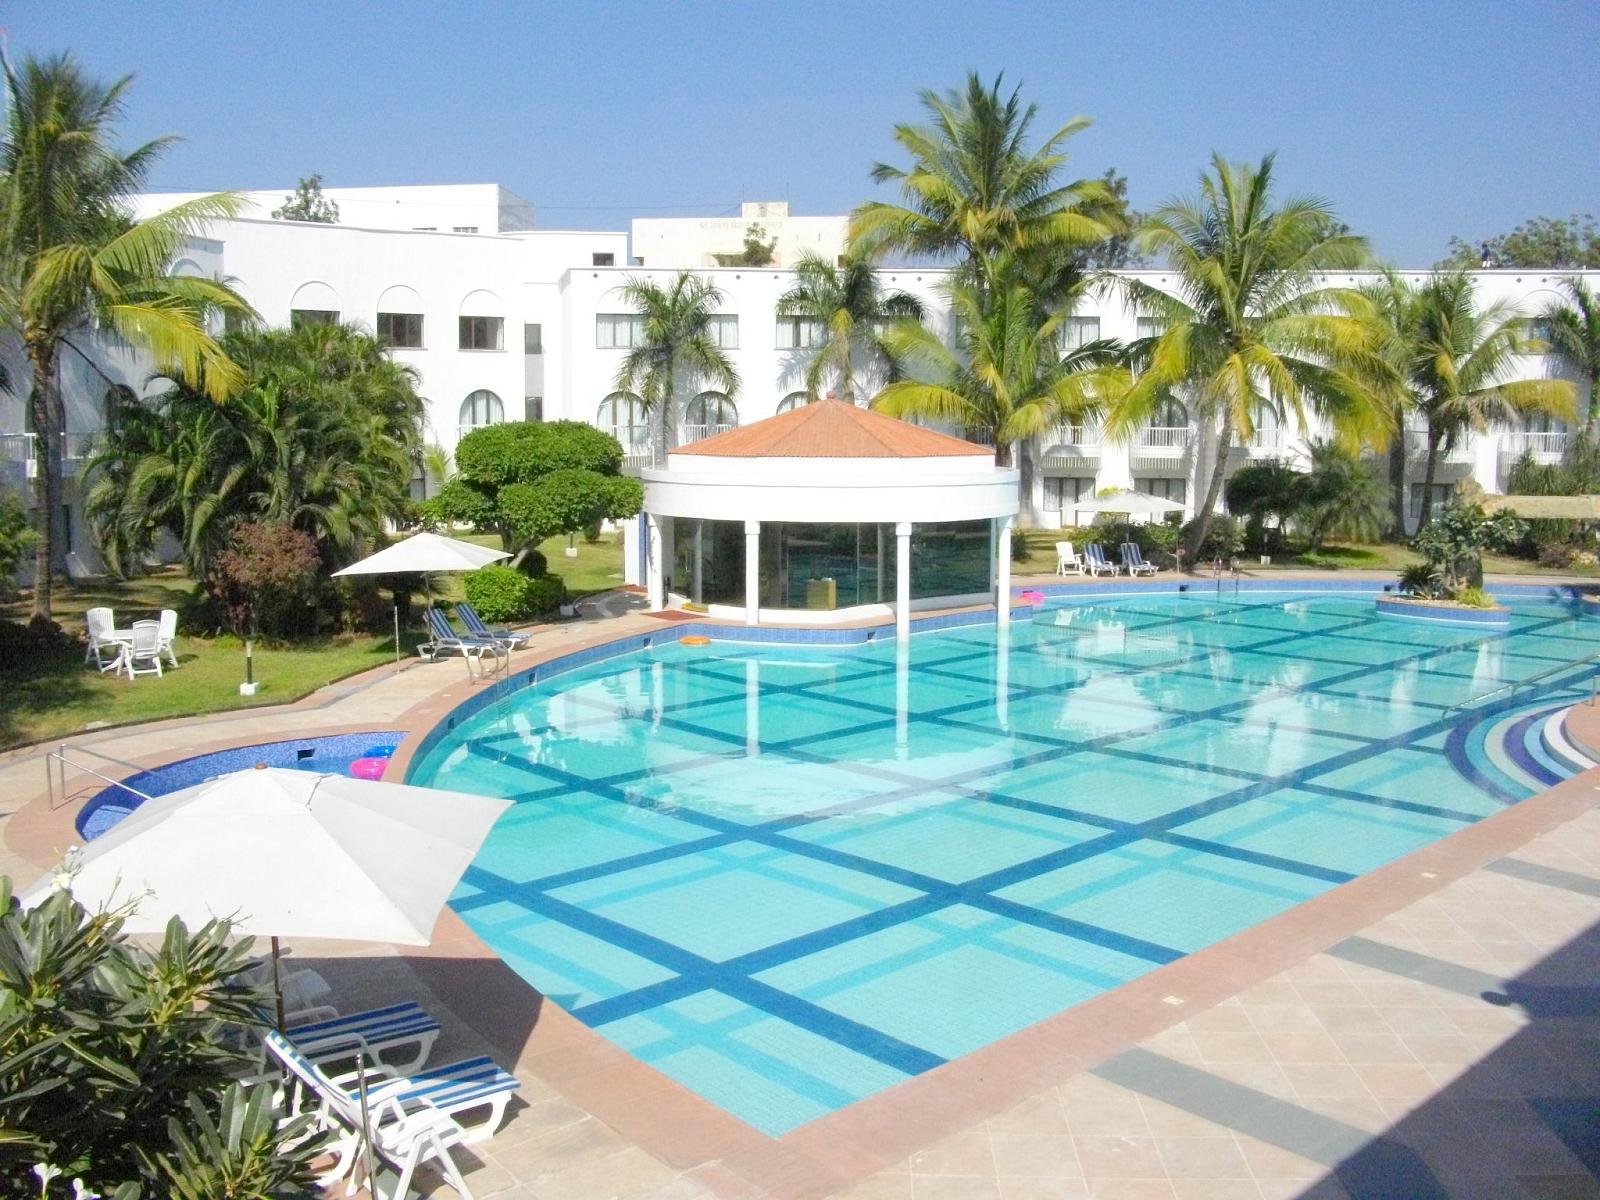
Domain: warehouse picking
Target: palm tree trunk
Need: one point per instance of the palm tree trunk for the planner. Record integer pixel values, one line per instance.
(1028, 470)
(1427, 477)
(1202, 517)
(1397, 482)
(47, 481)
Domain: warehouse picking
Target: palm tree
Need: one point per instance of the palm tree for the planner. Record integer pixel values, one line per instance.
(1455, 358)
(677, 343)
(1007, 380)
(71, 261)
(325, 436)
(1251, 327)
(1574, 334)
(1343, 496)
(976, 191)
(848, 305)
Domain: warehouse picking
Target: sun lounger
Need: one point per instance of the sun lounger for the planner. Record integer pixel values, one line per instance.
(1095, 559)
(447, 641)
(476, 627)
(1133, 560)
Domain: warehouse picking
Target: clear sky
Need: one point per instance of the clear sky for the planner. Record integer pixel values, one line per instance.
(1418, 120)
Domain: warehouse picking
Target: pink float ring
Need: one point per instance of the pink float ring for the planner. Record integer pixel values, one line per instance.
(1031, 597)
(369, 768)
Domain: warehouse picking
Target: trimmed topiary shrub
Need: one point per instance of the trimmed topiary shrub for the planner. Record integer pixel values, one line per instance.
(506, 594)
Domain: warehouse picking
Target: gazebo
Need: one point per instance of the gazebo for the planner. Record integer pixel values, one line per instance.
(826, 514)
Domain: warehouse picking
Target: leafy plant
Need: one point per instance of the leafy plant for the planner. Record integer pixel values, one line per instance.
(1474, 597)
(1420, 580)
(308, 204)
(1344, 497)
(1266, 490)
(1454, 542)
(265, 578)
(502, 593)
(108, 1050)
(17, 538)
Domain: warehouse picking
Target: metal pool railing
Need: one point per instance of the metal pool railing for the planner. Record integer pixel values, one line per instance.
(56, 763)
(1512, 688)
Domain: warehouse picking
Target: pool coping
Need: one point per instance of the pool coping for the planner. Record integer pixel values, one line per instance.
(732, 1159)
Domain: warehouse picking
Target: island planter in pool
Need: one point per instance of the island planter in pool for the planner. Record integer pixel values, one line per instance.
(1445, 612)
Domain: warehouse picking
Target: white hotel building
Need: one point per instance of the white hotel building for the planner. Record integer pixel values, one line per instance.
(504, 321)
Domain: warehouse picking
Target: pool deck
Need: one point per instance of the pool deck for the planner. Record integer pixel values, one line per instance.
(1430, 1029)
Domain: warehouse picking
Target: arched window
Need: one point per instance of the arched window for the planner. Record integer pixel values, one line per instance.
(792, 400)
(313, 303)
(1169, 413)
(622, 415)
(481, 408)
(709, 413)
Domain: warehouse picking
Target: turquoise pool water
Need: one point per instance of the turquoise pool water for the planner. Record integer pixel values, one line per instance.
(792, 877)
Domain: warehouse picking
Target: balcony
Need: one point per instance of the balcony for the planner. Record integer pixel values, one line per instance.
(695, 433)
(1463, 454)
(1547, 447)
(1072, 447)
(77, 449)
(1261, 445)
(1161, 445)
(17, 465)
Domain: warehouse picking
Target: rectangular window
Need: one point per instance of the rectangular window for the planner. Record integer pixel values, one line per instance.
(533, 408)
(464, 229)
(300, 318)
(482, 333)
(1441, 497)
(1174, 489)
(603, 260)
(1146, 327)
(401, 330)
(799, 333)
(1078, 332)
(533, 339)
(724, 332)
(618, 331)
(1061, 492)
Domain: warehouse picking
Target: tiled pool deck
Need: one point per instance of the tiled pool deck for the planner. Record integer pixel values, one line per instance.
(1432, 1029)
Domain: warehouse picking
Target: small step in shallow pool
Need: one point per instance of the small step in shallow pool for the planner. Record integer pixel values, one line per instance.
(326, 755)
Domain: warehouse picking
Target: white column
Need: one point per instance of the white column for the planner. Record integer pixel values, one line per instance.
(902, 580)
(654, 553)
(1002, 569)
(752, 572)
(697, 573)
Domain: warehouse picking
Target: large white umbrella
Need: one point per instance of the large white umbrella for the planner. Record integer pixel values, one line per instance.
(1140, 504)
(419, 554)
(284, 853)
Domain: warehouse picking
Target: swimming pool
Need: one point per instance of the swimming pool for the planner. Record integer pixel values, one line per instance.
(790, 877)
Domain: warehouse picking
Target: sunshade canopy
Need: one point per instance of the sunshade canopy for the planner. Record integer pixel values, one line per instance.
(285, 853)
(425, 552)
(1132, 503)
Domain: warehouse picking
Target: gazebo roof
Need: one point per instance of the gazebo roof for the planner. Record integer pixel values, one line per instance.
(833, 429)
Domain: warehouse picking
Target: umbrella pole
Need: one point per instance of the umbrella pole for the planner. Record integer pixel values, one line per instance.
(397, 636)
(277, 983)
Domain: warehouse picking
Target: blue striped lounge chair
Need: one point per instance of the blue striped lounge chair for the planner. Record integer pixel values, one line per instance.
(1133, 560)
(477, 628)
(380, 1030)
(1095, 559)
(447, 641)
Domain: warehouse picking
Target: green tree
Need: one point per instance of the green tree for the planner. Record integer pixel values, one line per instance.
(72, 263)
(17, 537)
(1344, 496)
(1007, 379)
(1573, 329)
(1117, 252)
(533, 480)
(1454, 544)
(758, 249)
(976, 191)
(324, 437)
(1561, 243)
(848, 304)
(1251, 325)
(1457, 360)
(1262, 491)
(678, 347)
(308, 204)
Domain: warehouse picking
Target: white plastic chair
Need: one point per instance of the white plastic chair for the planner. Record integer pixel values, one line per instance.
(101, 623)
(1067, 557)
(145, 648)
(167, 632)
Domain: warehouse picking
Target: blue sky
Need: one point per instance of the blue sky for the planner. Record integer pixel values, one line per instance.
(1417, 120)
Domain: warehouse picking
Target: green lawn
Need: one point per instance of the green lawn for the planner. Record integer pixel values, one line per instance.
(57, 695)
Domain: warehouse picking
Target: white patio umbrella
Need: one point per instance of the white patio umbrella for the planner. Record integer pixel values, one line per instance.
(419, 554)
(284, 853)
(1139, 504)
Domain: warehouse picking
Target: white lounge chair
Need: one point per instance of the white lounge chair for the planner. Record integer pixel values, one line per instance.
(167, 632)
(1094, 558)
(1067, 557)
(400, 1139)
(1133, 560)
(103, 642)
(144, 648)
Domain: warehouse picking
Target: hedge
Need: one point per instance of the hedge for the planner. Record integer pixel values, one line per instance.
(506, 594)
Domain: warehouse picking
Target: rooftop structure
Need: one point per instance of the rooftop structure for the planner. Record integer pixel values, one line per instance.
(679, 242)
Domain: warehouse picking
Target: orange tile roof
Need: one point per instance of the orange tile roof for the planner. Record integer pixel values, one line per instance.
(833, 429)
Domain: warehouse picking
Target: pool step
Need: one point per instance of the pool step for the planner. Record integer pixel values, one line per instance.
(1527, 750)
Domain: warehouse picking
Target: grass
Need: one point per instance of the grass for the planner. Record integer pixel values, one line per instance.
(54, 694)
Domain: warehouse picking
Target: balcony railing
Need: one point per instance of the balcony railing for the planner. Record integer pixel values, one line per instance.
(1164, 437)
(1083, 437)
(978, 437)
(1463, 452)
(694, 433)
(17, 447)
(1546, 446)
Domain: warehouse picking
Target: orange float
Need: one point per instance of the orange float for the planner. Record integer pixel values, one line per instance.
(694, 640)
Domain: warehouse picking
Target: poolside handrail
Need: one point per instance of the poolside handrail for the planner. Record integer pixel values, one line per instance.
(59, 755)
(1518, 684)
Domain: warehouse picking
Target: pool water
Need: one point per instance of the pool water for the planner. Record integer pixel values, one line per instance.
(792, 877)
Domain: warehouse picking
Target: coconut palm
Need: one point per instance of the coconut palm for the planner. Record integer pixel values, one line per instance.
(1458, 361)
(1250, 326)
(848, 305)
(977, 191)
(677, 346)
(1007, 380)
(71, 261)
(325, 436)
(1573, 330)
